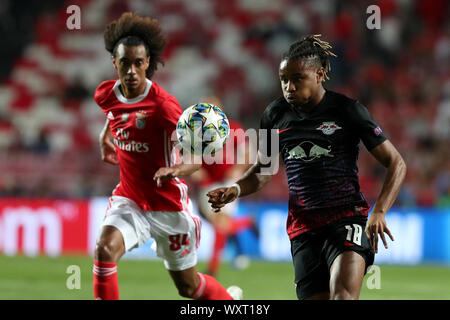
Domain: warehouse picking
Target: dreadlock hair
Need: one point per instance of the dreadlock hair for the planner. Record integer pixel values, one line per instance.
(311, 47)
(132, 30)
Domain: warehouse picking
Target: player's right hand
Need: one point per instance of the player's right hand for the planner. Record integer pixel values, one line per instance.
(108, 152)
(221, 196)
(165, 173)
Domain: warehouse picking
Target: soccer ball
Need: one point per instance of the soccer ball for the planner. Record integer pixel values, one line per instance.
(203, 129)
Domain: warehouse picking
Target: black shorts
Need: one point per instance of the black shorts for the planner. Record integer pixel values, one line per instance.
(314, 251)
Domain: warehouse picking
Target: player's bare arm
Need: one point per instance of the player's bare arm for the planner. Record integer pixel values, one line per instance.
(178, 170)
(199, 175)
(238, 170)
(107, 149)
(252, 181)
(390, 158)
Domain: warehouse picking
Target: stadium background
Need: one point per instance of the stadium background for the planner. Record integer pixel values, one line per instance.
(53, 185)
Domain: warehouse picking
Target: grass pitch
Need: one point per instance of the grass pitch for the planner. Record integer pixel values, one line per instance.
(45, 278)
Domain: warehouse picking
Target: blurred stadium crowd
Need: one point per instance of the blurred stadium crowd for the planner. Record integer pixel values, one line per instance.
(49, 123)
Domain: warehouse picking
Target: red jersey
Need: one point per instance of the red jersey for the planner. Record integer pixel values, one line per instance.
(216, 171)
(142, 128)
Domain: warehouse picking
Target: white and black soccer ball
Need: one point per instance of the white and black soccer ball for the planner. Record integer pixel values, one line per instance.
(203, 129)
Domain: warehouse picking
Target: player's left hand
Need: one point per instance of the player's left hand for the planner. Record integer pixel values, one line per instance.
(377, 225)
(163, 174)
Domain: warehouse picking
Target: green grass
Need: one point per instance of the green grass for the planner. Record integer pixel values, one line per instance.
(45, 278)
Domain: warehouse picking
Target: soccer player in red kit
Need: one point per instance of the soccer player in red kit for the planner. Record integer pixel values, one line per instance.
(150, 200)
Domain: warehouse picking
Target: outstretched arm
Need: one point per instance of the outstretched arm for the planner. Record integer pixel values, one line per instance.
(253, 180)
(178, 170)
(390, 158)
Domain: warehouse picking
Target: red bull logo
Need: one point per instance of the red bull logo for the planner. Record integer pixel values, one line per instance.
(328, 128)
(308, 151)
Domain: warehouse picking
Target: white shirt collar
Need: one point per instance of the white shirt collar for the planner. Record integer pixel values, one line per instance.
(139, 98)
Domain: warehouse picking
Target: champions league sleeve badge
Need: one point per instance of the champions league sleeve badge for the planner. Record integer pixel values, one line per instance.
(377, 131)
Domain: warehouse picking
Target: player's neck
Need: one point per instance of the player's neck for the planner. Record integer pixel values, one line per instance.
(314, 102)
(131, 94)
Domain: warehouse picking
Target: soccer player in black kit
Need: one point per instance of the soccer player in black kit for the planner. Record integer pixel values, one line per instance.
(332, 240)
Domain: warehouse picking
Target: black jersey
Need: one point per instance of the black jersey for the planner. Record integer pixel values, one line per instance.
(320, 151)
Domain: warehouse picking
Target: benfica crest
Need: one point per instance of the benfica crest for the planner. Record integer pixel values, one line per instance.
(140, 120)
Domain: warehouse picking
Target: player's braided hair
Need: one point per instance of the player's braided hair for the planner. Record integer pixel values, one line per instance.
(311, 46)
(132, 29)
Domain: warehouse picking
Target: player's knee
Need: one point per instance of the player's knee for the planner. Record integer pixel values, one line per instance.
(342, 293)
(107, 252)
(186, 290)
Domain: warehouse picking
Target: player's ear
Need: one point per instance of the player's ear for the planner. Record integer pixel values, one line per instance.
(113, 59)
(320, 75)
